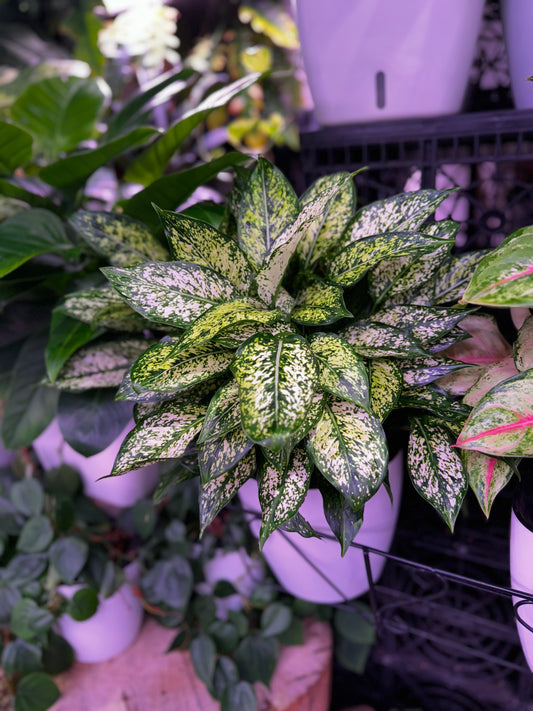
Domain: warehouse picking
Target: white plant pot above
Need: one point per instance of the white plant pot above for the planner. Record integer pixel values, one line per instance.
(517, 19)
(368, 60)
(119, 491)
(111, 630)
(521, 567)
(312, 568)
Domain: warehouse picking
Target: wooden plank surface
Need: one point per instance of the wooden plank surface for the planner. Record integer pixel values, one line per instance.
(144, 678)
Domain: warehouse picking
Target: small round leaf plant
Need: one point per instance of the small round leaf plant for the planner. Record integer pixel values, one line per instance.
(294, 335)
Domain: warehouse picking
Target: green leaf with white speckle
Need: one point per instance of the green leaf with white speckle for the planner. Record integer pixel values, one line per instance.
(192, 240)
(353, 262)
(282, 492)
(318, 240)
(427, 325)
(268, 206)
(342, 371)
(343, 521)
(225, 317)
(349, 447)
(162, 435)
(523, 346)
(175, 293)
(124, 241)
(435, 467)
(319, 305)
(216, 493)
(298, 524)
(277, 377)
(102, 307)
(100, 365)
(405, 212)
(165, 368)
(434, 400)
(500, 424)
(487, 476)
(386, 384)
(421, 371)
(372, 339)
(233, 337)
(454, 276)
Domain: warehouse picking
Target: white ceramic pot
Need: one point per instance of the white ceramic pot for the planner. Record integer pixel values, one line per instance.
(517, 18)
(521, 556)
(119, 491)
(368, 60)
(312, 568)
(111, 630)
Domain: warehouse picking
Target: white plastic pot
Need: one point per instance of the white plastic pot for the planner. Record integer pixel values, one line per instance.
(111, 630)
(521, 547)
(517, 19)
(243, 572)
(368, 60)
(312, 568)
(119, 491)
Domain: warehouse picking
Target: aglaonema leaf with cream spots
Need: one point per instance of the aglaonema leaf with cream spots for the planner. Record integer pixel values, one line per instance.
(277, 377)
(343, 520)
(319, 304)
(386, 385)
(282, 492)
(487, 476)
(349, 448)
(436, 468)
(342, 371)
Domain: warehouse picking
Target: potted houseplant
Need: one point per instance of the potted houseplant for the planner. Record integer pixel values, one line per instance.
(498, 431)
(295, 334)
(61, 581)
(368, 61)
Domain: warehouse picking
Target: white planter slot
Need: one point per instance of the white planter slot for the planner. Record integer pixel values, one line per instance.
(312, 568)
(521, 547)
(119, 491)
(112, 629)
(517, 19)
(370, 60)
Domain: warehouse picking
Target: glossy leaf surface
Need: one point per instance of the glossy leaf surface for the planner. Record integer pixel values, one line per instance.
(386, 385)
(342, 371)
(216, 493)
(319, 305)
(487, 476)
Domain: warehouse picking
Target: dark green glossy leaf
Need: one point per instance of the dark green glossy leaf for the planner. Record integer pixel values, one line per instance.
(83, 604)
(24, 568)
(275, 619)
(68, 555)
(239, 697)
(203, 657)
(35, 692)
(36, 535)
(169, 583)
(67, 335)
(256, 658)
(15, 147)
(27, 496)
(29, 621)
(22, 657)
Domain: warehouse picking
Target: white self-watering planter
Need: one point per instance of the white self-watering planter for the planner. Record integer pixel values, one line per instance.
(369, 60)
(119, 491)
(517, 19)
(111, 630)
(521, 567)
(312, 568)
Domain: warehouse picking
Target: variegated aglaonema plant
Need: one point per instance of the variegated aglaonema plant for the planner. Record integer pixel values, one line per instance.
(293, 331)
(499, 385)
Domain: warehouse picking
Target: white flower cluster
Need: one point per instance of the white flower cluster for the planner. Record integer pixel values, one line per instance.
(145, 29)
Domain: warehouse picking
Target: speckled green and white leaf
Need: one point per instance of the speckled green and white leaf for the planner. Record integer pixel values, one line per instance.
(319, 305)
(298, 524)
(487, 476)
(282, 492)
(220, 454)
(401, 280)
(386, 384)
(174, 293)
(421, 371)
(426, 324)
(404, 212)
(454, 337)
(435, 401)
(342, 372)
(378, 340)
(277, 377)
(321, 236)
(165, 368)
(270, 275)
(505, 276)
(233, 337)
(501, 423)
(314, 413)
(162, 435)
(192, 396)
(225, 317)
(217, 493)
(100, 365)
(453, 277)
(343, 521)
(192, 240)
(126, 391)
(268, 206)
(124, 241)
(349, 447)
(493, 375)
(223, 413)
(284, 301)
(523, 346)
(353, 262)
(435, 468)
